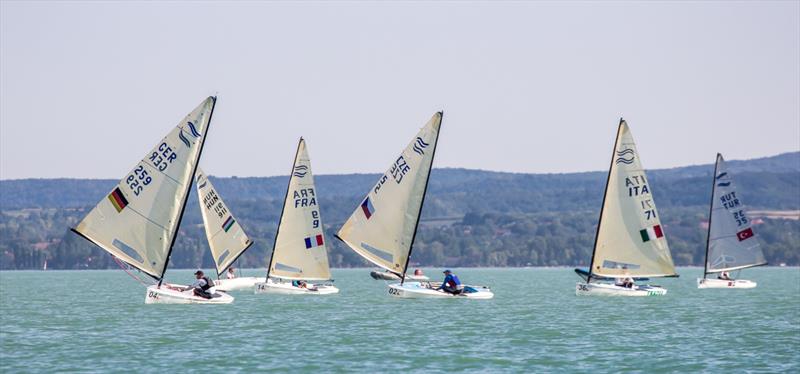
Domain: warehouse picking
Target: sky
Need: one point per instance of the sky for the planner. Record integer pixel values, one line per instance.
(87, 88)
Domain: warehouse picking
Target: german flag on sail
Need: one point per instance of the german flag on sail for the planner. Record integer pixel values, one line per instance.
(118, 200)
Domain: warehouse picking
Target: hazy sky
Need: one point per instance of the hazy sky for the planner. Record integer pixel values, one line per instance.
(87, 88)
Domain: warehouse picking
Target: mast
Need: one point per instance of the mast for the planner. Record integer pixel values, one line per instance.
(710, 214)
(187, 191)
(605, 194)
(280, 220)
(422, 203)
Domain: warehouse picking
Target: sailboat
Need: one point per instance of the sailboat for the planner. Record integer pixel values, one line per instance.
(299, 253)
(731, 243)
(226, 238)
(630, 241)
(383, 227)
(138, 221)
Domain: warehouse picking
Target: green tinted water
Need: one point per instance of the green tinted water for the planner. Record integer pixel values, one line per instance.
(97, 321)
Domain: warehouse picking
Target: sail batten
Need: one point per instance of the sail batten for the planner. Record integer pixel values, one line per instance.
(630, 240)
(732, 243)
(300, 249)
(383, 226)
(138, 220)
(226, 238)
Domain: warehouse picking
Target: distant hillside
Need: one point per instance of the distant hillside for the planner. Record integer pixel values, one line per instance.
(470, 218)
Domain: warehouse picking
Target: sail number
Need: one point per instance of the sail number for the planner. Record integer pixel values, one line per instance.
(398, 171)
(315, 219)
(394, 291)
(152, 295)
(138, 179)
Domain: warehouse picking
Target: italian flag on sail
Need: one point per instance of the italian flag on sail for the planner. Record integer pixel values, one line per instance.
(650, 233)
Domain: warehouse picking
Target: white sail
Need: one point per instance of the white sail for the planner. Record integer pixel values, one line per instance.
(300, 250)
(226, 238)
(137, 221)
(382, 227)
(732, 242)
(630, 239)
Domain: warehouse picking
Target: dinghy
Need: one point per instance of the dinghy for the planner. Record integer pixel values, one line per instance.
(299, 254)
(226, 238)
(629, 242)
(383, 227)
(138, 221)
(731, 243)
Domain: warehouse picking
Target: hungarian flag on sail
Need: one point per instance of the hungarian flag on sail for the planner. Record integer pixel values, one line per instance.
(651, 233)
(367, 207)
(745, 234)
(118, 200)
(228, 223)
(317, 241)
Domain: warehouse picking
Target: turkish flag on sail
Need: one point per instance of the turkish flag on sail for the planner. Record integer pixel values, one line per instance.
(744, 234)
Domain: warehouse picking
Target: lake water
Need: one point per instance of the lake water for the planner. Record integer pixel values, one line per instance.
(97, 321)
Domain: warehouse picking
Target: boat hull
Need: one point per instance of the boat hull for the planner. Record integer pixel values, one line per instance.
(236, 284)
(425, 290)
(727, 284)
(385, 275)
(286, 288)
(167, 295)
(606, 289)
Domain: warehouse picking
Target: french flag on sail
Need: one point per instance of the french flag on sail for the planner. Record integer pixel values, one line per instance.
(651, 233)
(367, 207)
(314, 241)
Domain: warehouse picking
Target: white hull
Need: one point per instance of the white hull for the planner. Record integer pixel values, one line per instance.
(425, 290)
(719, 283)
(606, 289)
(167, 295)
(236, 284)
(385, 275)
(286, 288)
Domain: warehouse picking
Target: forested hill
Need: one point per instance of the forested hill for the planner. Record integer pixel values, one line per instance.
(470, 218)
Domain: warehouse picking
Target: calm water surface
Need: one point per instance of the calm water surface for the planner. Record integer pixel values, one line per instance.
(97, 321)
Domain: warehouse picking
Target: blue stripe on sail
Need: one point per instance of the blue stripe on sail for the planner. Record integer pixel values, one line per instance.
(282, 267)
(378, 252)
(722, 175)
(723, 184)
(223, 256)
(126, 249)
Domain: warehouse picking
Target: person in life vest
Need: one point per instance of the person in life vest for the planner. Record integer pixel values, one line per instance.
(724, 276)
(231, 273)
(451, 283)
(201, 285)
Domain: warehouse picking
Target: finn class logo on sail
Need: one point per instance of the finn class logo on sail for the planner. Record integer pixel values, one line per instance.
(420, 145)
(300, 171)
(623, 156)
(192, 130)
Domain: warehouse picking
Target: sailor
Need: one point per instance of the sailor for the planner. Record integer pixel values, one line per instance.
(418, 273)
(451, 283)
(724, 276)
(201, 285)
(299, 284)
(231, 273)
(626, 282)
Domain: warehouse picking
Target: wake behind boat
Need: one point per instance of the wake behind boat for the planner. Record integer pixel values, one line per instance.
(299, 254)
(383, 227)
(139, 219)
(630, 243)
(731, 242)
